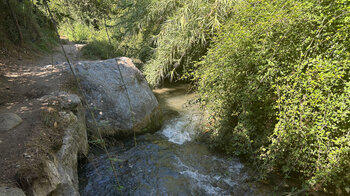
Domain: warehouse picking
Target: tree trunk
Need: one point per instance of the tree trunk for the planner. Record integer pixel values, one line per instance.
(16, 22)
(109, 39)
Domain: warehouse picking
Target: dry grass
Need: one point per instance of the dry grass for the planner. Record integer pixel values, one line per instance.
(41, 148)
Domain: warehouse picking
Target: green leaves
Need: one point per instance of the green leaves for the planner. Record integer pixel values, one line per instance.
(184, 37)
(275, 75)
(311, 117)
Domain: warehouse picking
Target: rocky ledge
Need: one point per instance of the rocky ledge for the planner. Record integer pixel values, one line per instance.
(64, 113)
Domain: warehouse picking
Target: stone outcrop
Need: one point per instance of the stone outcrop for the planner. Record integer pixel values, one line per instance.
(9, 121)
(109, 86)
(60, 170)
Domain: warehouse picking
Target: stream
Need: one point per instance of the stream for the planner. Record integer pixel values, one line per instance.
(169, 161)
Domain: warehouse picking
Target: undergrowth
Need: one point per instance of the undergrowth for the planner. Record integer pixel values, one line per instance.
(34, 29)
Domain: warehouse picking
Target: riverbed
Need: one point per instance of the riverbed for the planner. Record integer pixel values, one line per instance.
(170, 161)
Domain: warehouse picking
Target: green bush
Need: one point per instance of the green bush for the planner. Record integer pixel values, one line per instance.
(99, 50)
(235, 77)
(312, 133)
(276, 81)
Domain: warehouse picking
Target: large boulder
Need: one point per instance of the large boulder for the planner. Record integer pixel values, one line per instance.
(114, 88)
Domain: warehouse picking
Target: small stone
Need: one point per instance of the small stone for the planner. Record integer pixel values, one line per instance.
(26, 155)
(9, 121)
(69, 101)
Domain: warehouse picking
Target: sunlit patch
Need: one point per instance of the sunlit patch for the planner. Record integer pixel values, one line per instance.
(49, 109)
(24, 108)
(11, 105)
(43, 71)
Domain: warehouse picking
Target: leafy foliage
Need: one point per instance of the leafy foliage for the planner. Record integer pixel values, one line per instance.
(276, 81)
(168, 35)
(99, 50)
(34, 28)
(185, 37)
(312, 134)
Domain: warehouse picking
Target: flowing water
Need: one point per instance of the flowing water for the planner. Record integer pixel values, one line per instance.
(170, 161)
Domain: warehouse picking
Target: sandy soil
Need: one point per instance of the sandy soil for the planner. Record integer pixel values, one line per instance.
(24, 77)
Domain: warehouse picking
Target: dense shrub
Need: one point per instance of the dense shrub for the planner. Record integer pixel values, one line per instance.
(277, 83)
(312, 133)
(236, 75)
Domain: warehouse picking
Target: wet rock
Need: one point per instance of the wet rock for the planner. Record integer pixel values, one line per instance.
(7, 191)
(9, 121)
(243, 189)
(107, 93)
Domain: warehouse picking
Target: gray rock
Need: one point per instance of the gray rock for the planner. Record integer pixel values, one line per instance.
(8, 191)
(107, 93)
(9, 121)
(61, 169)
(63, 99)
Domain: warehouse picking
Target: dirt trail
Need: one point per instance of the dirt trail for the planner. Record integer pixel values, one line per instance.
(25, 77)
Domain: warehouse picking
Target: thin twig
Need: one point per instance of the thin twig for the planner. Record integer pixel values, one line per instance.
(129, 100)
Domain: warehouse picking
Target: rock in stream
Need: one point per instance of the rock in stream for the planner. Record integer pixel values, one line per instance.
(110, 85)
